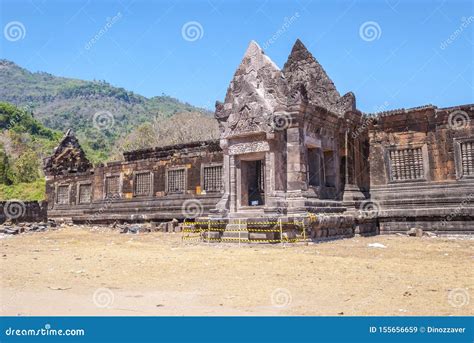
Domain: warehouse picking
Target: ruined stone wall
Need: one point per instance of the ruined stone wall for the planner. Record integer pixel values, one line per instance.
(416, 169)
(23, 211)
(156, 204)
(407, 164)
(428, 127)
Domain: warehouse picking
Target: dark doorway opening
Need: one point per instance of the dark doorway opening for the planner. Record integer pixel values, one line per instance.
(255, 183)
(314, 167)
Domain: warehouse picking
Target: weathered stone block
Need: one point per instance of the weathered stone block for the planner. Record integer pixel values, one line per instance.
(262, 235)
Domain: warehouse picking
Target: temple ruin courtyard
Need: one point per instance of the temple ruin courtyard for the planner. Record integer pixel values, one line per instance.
(82, 271)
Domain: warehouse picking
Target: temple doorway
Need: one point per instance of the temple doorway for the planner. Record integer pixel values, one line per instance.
(253, 183)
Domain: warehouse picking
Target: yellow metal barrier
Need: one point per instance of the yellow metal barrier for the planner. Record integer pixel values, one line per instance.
(194, 231)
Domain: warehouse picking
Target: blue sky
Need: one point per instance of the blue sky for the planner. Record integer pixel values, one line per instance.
(391, 54)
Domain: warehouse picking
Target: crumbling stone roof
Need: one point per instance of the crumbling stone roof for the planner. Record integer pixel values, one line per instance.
(419, 108)
(307, 79)
(466, 107)
(401, 111)
(68, 157)
(169, 150)
(259, 89)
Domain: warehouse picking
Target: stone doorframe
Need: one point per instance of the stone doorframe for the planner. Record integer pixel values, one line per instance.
(242, 182)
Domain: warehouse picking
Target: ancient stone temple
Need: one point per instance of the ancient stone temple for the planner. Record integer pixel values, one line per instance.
(290, 146)
(283, 134)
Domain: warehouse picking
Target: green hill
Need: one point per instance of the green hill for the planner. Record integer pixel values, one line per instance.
(99, 113)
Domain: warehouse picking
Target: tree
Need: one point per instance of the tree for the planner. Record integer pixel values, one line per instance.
(181, 128)
(26, 167)
(5, 169)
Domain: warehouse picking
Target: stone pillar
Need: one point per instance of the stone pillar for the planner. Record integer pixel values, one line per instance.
(224, 206)
(351, 189)
(296, 171)
(233, 165)
(296, 168)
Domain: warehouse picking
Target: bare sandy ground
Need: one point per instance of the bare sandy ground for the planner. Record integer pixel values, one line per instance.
(73, 271)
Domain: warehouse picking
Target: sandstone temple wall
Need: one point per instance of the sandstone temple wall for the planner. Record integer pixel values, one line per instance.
(290, 147)
(141, 186)
(420, 169)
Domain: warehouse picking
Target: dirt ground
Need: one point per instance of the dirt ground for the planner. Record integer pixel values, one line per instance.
(74, 271)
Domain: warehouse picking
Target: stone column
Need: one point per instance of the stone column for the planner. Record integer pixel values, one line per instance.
(351, 189)
(233, 183)
(349, 152)
(223, 206)
(296, 170)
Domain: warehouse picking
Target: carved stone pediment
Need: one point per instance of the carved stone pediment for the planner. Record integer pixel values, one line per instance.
(308, 82)
(256, 92)
(68, 157)
(259, 90)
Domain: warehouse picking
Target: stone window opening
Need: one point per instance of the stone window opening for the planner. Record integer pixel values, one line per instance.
(85, 193)
(112, 186)
(62, 196)
(142, 183)
(406, 164)
(212, 178)
(467, 158)
(176, 180)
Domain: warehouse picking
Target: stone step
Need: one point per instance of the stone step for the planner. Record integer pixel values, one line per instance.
(236, 234)
(211, 234)
(235, 227)
(264, 235)
(326, 209)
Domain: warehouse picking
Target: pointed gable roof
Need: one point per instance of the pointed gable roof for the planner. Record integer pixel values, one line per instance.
(256, 91)
(303, 71)
(68, 157)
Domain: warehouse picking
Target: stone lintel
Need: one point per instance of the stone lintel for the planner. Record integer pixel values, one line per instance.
(249, 147)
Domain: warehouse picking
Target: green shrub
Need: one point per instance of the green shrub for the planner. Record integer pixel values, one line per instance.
(24, 191)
